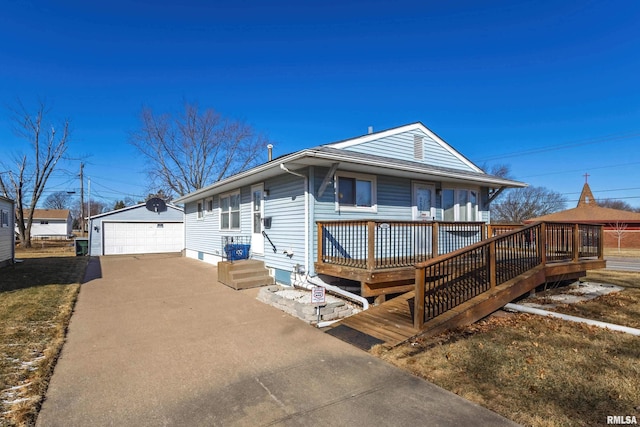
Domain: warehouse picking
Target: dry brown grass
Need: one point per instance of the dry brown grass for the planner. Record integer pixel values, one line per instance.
(36, 301)
(538, 371)
(632, 253)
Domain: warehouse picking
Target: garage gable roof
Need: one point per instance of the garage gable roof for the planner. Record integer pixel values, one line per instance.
(128, 208)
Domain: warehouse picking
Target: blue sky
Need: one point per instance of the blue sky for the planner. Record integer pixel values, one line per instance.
(550, 88)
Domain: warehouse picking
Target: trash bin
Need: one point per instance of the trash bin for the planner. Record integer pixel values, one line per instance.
(82, 247)
(236, 252)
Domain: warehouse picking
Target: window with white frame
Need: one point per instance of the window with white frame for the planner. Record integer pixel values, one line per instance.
(209, 205)
(356, 191)
(230, 211)
(200, 210)
(4, 218)
(459, 204)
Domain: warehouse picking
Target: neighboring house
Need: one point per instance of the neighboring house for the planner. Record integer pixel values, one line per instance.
(406, 173)
(51, 223)
(137, 229)
(7, 231)
(620, 227)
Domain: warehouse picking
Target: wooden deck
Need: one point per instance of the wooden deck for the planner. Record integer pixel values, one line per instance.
(465, 285)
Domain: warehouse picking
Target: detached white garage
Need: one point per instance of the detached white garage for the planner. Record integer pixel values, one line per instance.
(142, 229)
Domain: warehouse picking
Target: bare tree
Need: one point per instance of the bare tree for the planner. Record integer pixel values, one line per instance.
(521, 204)
(499, 169)
(615, 204)
(619, 230)
(193, 150)
(58, 200)
(26, 177)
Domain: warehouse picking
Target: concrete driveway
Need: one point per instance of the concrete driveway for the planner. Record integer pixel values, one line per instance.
(157, 341)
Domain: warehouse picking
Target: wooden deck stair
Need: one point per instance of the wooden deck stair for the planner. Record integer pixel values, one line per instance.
(244, 274)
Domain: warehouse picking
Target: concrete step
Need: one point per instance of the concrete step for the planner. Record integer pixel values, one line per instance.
(243, 274)
(245, 264)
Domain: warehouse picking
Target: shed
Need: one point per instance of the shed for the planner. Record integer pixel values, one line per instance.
(138, 229)
(51, 223)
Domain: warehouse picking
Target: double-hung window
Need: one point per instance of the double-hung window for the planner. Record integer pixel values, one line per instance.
(230, 211)
(355, 192)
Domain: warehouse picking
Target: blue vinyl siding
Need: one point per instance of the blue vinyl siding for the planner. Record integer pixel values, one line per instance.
(204, 234)
(403, 149)
(285, 204)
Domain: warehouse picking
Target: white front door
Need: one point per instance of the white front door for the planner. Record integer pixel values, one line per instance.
(257, 213)
(424, 202)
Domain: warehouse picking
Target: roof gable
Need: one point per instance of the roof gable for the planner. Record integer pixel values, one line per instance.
(376, 153)
(413, 142)
(134, 207)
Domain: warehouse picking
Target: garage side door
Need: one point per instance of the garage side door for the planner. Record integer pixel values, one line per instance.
(142, 237)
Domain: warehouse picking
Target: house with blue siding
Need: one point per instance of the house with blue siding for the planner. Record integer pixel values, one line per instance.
(272, 213)
(7, 231)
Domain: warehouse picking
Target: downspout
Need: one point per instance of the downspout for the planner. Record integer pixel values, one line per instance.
(613, 327)
(310, 282)
(306, 214)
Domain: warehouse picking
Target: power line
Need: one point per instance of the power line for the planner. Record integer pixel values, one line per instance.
(580, 170)
(564, 146)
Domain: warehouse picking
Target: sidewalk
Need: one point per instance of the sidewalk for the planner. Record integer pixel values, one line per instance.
(156, 341)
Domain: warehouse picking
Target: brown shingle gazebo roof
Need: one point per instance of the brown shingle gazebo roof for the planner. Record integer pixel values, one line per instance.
(589, 211)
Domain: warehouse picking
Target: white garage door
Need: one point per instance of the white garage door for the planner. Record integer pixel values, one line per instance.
(142, 237)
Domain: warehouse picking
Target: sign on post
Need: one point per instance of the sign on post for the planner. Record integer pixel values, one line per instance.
(317, 295)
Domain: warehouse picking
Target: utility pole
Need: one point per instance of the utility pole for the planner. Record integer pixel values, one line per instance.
(81, 200)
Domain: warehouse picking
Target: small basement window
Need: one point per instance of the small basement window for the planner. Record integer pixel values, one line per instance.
(159, 225)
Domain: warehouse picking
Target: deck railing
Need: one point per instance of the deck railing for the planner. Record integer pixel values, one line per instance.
(379, 244)
(449, 280)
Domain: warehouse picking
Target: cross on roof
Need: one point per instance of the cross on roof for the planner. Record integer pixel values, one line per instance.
(586, 178)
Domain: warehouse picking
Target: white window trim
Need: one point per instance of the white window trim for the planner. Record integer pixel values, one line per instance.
(362, 177)
(225, 195)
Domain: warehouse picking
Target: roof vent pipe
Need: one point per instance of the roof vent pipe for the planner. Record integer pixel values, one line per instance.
(370, 130)
(270, 151)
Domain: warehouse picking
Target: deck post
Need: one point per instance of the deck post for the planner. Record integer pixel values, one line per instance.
(492, 265)
(601, 243)
(418, 301)
(434, 239)
(486, 231)
(576, 242)
(371, 245)
(542, 243)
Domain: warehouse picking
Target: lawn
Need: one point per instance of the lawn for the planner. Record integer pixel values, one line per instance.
(37, 297)
(537, 371)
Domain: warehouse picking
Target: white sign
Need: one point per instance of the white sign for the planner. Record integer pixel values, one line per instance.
(317, 295)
